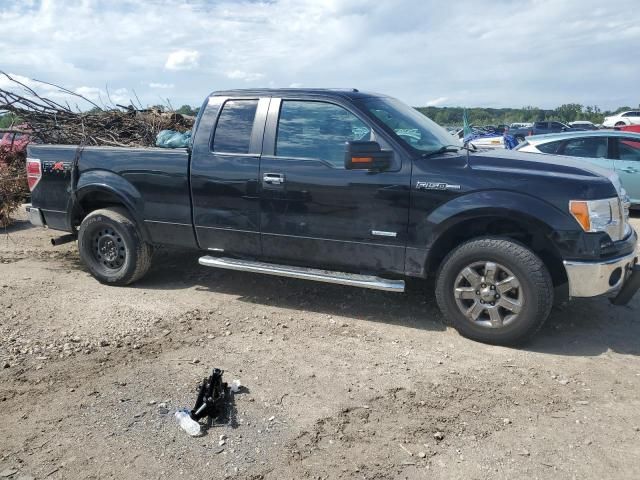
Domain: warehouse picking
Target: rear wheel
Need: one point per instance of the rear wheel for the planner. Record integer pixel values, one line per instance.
(112, 248)
(495, 291)
(620, 124)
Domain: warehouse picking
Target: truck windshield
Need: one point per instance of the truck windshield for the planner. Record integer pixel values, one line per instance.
(412, 127)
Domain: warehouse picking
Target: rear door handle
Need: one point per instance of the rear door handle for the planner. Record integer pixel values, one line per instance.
(273, 178)
(630, 170)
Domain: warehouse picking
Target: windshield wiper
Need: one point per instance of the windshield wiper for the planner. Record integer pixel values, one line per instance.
(450, 148)
(443, 149)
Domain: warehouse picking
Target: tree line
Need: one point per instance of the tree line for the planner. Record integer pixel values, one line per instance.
(449, 116)
(569, 112)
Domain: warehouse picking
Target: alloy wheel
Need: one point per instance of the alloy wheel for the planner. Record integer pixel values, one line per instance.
(488, 294)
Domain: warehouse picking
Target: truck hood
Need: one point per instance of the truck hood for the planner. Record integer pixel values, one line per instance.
(510, 161)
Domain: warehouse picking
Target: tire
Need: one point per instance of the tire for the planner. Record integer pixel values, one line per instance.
(619, 124)
(112, 247)
(474, 308)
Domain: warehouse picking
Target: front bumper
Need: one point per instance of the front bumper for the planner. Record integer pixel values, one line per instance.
(590, 279)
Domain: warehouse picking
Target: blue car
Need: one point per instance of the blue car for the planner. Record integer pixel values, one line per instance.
(617, 151)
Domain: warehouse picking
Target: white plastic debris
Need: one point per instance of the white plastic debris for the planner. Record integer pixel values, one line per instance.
(235, 386)
(188, 424)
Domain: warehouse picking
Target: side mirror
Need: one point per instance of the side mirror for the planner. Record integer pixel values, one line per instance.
(364, 155)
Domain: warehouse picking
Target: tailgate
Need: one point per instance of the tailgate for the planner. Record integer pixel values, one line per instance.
(51, 194)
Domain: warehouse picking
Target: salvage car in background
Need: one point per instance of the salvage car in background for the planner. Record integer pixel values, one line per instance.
(583, 125)
(631, 117)
(542, 128)
(615, 150)
(629, 128)
(482, 138)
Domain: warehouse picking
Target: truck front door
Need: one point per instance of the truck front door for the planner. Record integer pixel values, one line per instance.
(314, 212)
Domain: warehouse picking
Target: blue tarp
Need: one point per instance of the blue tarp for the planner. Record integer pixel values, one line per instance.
(510, 142)
(173, 139)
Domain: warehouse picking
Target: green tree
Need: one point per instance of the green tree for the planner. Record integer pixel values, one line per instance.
(568, 112)
(187, 110)
(8, 120)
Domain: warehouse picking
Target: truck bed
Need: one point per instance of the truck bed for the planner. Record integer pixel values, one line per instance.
(154, 182)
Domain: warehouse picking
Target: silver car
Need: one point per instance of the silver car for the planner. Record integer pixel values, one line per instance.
(617, 151)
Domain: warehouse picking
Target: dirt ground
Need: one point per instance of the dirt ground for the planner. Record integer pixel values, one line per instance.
(339, 382)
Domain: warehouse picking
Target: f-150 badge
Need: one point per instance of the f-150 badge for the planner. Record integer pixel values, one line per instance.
(436, 186)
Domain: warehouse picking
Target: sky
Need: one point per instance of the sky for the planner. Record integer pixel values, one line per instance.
(479, 53)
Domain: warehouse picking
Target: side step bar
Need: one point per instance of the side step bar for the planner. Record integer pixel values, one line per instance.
(341, 278)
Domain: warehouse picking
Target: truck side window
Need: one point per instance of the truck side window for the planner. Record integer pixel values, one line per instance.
(233, 130)
(318, 130)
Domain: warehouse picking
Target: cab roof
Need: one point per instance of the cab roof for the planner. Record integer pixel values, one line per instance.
(348, 93)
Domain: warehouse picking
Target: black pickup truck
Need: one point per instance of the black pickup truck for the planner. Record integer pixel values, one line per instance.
(351, 188)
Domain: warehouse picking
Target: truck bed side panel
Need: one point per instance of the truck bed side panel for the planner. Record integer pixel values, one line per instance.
(153, 183)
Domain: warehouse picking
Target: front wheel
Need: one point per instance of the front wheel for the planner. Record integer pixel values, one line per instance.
(495, 291)
(112, 247)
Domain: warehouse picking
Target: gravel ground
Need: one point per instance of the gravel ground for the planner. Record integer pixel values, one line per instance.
(338, 382)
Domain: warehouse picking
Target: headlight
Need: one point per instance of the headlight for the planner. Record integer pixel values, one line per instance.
(604, 215)
(592, 215)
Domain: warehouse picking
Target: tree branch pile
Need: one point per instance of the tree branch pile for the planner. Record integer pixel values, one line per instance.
(13, 183)
(46, 120)
(51, 121)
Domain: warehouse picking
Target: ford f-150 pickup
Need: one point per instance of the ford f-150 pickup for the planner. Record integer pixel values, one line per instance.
(351, 188)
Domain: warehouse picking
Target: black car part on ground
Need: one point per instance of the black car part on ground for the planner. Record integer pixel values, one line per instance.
(213, 397)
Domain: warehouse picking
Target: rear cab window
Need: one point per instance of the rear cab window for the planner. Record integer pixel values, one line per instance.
(234, 127)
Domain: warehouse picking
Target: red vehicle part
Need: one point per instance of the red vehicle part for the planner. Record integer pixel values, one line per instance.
(629, 128)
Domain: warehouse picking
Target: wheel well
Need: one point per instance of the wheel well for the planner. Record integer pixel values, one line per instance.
(95, 201)
(529, 234)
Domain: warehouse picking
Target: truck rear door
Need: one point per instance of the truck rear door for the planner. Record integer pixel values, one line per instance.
(314, 212)
(224, 175)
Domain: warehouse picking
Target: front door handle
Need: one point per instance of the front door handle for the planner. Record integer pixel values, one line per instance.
(630, 170)
(273, 178)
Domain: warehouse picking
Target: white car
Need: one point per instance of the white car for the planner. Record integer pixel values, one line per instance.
(623, 118)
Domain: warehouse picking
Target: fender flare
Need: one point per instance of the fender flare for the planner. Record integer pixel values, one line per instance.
(115, 186)
(534, 213)
(498, 203)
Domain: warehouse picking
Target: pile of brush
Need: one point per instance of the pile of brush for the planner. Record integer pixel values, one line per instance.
(13, 181)
(49, 121)
(117, 125)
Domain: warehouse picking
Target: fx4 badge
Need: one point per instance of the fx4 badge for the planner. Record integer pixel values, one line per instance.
(436, 186)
